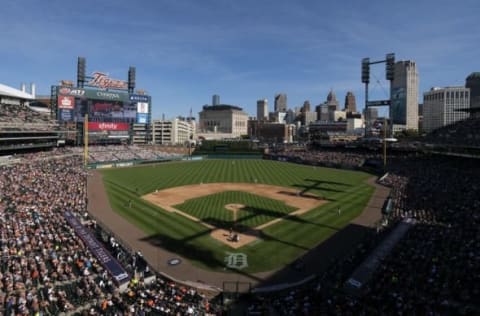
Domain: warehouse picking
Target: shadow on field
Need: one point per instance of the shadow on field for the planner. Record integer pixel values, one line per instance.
(242, 221)
(193, 252)
(303, 195)
(183, 247)
(317, 261)
(317, 185)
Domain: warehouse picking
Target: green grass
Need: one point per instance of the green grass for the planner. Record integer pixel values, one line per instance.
(281, 243)
(258, 210)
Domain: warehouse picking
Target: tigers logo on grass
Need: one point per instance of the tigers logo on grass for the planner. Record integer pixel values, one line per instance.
(236, 260)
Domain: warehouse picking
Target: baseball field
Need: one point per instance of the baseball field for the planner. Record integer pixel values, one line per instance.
(276, 210)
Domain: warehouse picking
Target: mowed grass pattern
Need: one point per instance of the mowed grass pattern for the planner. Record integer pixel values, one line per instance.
(281, 243)
(258, 210)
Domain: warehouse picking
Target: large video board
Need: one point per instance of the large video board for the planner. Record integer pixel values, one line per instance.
(101, 106)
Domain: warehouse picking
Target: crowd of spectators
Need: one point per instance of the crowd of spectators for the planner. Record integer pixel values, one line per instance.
(325, 157)
(112, 153)
(46, 269)
(433, 270)
(462, 133)
(23, 118)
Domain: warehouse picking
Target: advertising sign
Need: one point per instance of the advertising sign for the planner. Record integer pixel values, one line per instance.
(106, 126)
(66, 102)
(101, 80)
(65, 115)
(142, 107)
(114, 268)
(398, 108)
(142, 118)
(94, 94)
(138, 98)
(71, 91)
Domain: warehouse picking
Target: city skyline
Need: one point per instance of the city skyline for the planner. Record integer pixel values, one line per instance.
(185, 52)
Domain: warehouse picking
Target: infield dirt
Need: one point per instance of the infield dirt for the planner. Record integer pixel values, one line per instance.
(167, 198)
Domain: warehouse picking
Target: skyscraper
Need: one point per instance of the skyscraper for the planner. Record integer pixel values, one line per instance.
(262, 110)
(216, 99)
(350, 103)
(332, 101)
(280, 102)
(306, 106)
(404, 96)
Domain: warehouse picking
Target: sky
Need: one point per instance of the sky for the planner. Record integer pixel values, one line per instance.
(185, 51)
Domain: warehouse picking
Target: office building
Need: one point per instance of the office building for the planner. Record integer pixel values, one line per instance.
(262, 110)
(332, 101)
(306, 106)
(404, 96)
(444, 106)
(350, 103)
(224, 119)
(280, 102)
(172, 132)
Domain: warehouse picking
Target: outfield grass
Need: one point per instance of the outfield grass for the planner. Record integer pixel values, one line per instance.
(281, 243)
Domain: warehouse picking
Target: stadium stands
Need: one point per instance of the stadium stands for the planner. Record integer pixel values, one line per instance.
(433, 270)
(45, 268)
(462, 133)
(22, 118)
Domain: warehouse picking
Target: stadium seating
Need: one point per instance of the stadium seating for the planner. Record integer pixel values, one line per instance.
(462, 133)
(45, 268)
(432, 270)
(23, 118)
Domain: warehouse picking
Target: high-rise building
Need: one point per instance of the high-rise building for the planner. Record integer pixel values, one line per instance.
(280, 102)
(350, 103)
(404, 96)
(332, 101)
(444, 106)
(262, 110)
(306, 106)
(215, 99)
(473, 83)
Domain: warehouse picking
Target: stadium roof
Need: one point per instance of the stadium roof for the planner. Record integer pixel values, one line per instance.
(14, 93)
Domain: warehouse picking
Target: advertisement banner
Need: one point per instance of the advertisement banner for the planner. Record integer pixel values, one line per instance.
(107, 126)
(142, 107)
(66, 102)
(142, 118)
(94, 94)
(139, 98)
(114, 268)
(398, 108)
(65, 115)
(71, 91)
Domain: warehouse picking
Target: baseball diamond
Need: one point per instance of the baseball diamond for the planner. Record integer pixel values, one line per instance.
(278, 211)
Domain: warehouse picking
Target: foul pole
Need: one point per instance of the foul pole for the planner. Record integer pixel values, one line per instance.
(85, 141)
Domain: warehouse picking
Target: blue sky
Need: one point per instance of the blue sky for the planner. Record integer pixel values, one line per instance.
(186, 51)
